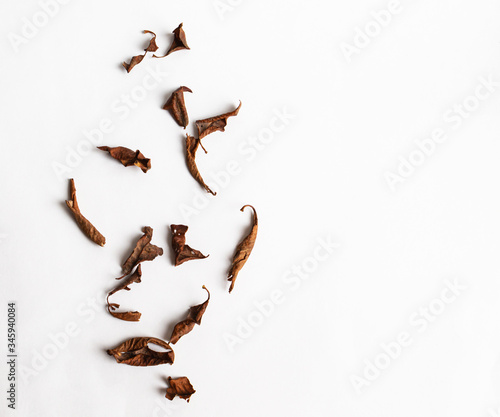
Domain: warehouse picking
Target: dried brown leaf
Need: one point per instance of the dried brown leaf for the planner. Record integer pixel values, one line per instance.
(183, 252)
(179, 42)
(85, 226)
(136, 60)
(124, 285)
(128, 157)
(177, 107)
(181, 329)
(214, 124)
(243, 250)
(135, 352)
(180, 387)
(194, 317)
(143, 251)
(191, 148)
(152, 47)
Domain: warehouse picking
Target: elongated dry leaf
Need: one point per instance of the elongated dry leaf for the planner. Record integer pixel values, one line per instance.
(194, 317)
(143, 251)
(124, 285)
(178, 43)
(180, 387)
(85, 226)
(243, 250)
(128, 157)
(214, 124)
(191, 148)
(177, 107)
(183, 252)
(135, 352)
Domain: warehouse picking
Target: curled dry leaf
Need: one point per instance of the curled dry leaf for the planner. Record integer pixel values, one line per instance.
(191, 148)
(152, 47)
(243, 250)
(136, 60)
(128, 157)
(86, 227)
(180, 387)
(194, 317)
(124, 285)
(143, 251)
(177, 107)
(178, 43)
(183, 252)
(214, 124)
(135, 352)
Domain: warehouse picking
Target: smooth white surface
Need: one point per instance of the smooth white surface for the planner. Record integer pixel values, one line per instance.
(321, 176)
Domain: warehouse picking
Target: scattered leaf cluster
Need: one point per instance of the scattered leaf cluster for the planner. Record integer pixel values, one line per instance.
(136, 351)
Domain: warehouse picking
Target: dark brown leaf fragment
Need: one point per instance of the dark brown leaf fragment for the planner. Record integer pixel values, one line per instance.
(177, 107)
(152, 47)
(128, 157)
(243, 250)
(214, 124)
(180, 387)
(124, 285)
(143, 251)
(136, 60)
(194, 317)
(85, 226)
(183, 252)
(135, 352)
(179, 42)
(191, 148)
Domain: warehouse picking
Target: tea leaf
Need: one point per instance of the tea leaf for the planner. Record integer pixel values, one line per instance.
(128, 157)
(124, 285)
(135, 352)
(85, 226)
(191, 148)
(183, 252)
(243, 250)
(214, 124)
(143, 251)
(194, 317)
(180, 387)
(178, 43)
(152, 47)
(136, 60)
(177, 107)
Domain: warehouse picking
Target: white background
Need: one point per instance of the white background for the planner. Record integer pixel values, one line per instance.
(321, 177)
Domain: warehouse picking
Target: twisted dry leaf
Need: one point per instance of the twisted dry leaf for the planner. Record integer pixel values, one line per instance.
(136, 60)
(124, 285)
(214, 124)
(135, 352)
(85, 226)
(152, 47)
(183, 252)
(143, 251)
(177, 107)
(194, 317)
(191, 148)
(128, 157)
(243, 250)
(180, 387)
(178, 43)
